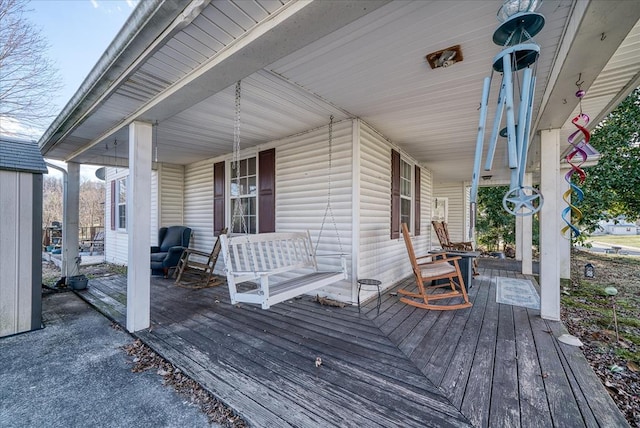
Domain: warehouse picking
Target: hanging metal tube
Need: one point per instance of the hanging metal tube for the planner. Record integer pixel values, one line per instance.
(495, 130)
(511, 121)
(480, 139)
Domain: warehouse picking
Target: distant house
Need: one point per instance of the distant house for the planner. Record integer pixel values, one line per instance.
(618, 226)
(21, 169)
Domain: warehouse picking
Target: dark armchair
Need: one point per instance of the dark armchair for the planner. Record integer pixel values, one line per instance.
(172, 241)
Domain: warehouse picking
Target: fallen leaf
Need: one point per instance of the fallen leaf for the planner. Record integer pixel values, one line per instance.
(633, 366)
(616, 368)
(611, 387)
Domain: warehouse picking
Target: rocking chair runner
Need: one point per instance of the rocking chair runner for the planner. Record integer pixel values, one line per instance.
(433, 267)
(195, 268)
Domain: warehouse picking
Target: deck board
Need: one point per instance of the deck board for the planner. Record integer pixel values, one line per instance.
(396, 365)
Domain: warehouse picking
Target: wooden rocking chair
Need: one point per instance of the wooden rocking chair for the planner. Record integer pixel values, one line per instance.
(429, 268)
(195, 268)
(443, 236)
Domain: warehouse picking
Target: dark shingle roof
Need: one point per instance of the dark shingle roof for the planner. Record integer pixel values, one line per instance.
(22, 156)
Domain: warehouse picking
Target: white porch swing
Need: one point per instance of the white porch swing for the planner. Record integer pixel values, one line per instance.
(255, 258)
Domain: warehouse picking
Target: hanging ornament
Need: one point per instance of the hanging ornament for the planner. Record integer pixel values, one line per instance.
(578, 140)
(517, 64)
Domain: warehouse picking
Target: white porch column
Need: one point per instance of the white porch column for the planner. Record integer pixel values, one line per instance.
(550, 225)
(138, 215)
(565, 244)
(70, 221)
(519, 237)
(526, 236)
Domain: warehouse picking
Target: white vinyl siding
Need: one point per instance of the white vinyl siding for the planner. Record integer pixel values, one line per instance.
(171, 198)
(380, 257)
(455, 193)
(302, 177)
(153, 221)
(198, 204)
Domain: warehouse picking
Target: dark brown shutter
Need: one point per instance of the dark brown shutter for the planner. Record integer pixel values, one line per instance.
(395, 194)
(113, 205)
(416, 201)
(267, 191)
(218, 197)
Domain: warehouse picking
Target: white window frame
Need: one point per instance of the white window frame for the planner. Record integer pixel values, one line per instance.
(246, 180)
(407, 197)
(120, 203)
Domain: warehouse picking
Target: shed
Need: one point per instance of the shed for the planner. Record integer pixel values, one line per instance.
(21, 169)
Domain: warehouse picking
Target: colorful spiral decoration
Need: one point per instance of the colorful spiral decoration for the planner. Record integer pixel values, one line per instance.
(582, 136)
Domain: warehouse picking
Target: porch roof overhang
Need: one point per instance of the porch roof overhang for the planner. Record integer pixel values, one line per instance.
(175, 64)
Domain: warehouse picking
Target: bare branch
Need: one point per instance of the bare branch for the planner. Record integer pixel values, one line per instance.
(28, 79)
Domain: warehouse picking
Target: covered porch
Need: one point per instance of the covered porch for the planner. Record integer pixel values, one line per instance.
(487, 366)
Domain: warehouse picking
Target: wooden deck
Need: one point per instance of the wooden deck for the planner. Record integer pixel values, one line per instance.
(492, 365)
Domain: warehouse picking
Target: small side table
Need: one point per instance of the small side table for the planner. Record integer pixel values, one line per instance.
(369, 283)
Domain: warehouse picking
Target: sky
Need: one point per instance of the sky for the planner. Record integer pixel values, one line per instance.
(78, 33)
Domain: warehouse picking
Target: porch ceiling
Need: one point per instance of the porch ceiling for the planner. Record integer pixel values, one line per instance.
(302, 62)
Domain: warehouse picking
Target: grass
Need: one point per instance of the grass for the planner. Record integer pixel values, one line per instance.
(623, 240)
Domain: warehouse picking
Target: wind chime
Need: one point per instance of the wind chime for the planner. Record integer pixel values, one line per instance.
(516, 62)
(578, 140)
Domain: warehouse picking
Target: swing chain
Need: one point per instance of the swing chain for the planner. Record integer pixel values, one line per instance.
(238, 208)
(329, 209)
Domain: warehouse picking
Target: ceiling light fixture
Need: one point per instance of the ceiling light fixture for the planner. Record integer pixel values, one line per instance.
(445, 57)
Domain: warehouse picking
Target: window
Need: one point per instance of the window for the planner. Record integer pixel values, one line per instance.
(405, 193)
(243, 195)
(254, 190)
(121, 199)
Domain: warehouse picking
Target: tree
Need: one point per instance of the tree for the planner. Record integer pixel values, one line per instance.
(612, 187)
(51, 200)
(92, 197)
(494, 225)
(91, 203)
(28, 79)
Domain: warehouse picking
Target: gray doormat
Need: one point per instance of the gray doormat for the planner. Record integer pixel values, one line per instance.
(517, 292)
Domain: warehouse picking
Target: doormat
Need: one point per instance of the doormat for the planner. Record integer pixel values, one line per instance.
(517, 292)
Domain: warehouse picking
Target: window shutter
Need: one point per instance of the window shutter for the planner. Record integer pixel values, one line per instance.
(267, 191)
(113, 205)
(218, 197)
(416, 201)
(395, 194)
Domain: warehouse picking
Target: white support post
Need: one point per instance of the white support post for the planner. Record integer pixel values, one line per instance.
(519, 237)
(564, 244)
(138, 215)
(526, 236)
(355, 219)
(550, 225)
(71, 221)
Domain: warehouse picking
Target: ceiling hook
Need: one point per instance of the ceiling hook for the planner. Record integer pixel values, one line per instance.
(579, 82)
